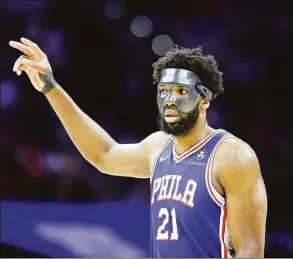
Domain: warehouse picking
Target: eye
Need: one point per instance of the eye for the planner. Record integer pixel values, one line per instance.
(162, 91)
(182, 91)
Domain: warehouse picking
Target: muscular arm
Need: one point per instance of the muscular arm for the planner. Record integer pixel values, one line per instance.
(240, 176)
(91, 140)
(96, 145)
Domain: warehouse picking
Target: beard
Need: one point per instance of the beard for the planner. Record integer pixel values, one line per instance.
(181, 127)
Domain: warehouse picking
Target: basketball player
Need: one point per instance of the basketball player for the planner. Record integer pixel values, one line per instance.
(208, 197)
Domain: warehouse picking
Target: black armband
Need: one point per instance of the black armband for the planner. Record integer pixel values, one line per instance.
(49, 81)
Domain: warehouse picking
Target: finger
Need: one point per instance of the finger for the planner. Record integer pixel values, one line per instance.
(25, 64)
(30, 64)
(33, 46)
(17, 64)
(23, 48)
(20, 69)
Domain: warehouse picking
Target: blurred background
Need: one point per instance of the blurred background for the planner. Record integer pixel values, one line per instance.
(53, 203)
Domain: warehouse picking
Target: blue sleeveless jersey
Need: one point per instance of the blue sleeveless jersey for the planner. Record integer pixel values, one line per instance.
(188, 215)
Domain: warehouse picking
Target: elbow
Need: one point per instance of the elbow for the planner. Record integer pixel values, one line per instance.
(101, 162)
(96, 160)
(97, 157)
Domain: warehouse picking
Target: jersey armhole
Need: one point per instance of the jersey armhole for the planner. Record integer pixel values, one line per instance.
(214, 194)
(157, 157)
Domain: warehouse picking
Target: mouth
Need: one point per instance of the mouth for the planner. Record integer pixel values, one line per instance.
(171, 116)
(170, 113)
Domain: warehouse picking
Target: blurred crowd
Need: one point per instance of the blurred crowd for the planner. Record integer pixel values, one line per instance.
(101, 53)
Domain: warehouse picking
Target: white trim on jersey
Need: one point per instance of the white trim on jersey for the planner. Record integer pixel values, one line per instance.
(193, 149)
(223, 232)
(215, 195)
(218, 199)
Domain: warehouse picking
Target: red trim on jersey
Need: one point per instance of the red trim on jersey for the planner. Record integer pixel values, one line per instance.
(223, 230)
(210, 189)
(197, 146)
(215, 195)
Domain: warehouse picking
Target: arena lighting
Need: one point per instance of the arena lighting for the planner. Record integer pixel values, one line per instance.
(24, 7)
(114, 9)
(161, 44)
(141, 26)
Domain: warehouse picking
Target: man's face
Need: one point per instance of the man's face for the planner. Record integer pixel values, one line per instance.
(177, 123)
(178, 97)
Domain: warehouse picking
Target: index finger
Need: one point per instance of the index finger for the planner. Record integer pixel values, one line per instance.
(33, 46)
(21, 47)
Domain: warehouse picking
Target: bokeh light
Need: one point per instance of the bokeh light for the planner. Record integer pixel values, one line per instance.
(161, 44)
(114, 9)
(141, 26)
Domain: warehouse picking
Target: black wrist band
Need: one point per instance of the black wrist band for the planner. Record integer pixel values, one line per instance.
(49, 81)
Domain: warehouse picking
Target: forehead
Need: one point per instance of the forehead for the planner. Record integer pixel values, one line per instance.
(182, 77)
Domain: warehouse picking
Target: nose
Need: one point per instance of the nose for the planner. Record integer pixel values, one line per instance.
(169, 103)
(170, 106)
(170, 99)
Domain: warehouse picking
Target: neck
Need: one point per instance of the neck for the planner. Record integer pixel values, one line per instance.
(200, 131)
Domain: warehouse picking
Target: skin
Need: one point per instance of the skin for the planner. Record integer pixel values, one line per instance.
(235, 173)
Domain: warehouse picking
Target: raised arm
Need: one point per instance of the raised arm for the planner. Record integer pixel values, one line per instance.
(95, 145)
(240, 176)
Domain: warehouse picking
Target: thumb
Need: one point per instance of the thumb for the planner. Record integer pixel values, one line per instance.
(28, 64)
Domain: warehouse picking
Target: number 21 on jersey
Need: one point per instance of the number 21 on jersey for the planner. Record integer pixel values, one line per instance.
(169, 217)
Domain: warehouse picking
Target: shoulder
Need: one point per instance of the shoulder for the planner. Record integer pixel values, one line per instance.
(235, 157)
(153, 145)
(156, 141)
(235, 151)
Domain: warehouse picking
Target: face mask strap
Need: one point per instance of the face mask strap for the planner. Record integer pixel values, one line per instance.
(204, 92)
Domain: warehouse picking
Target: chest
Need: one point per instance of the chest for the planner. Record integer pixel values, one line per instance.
(180, 200)
(190, 177)
(179, 181)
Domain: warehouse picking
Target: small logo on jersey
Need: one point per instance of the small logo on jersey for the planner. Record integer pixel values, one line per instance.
(201, 154)
(162, 158)
(197, 163)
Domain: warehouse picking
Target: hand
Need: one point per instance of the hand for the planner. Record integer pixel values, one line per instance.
(34, 63)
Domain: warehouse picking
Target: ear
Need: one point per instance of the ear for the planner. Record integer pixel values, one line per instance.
(204, 104)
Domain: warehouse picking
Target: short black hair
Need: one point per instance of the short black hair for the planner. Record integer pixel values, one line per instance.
(204, 66)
